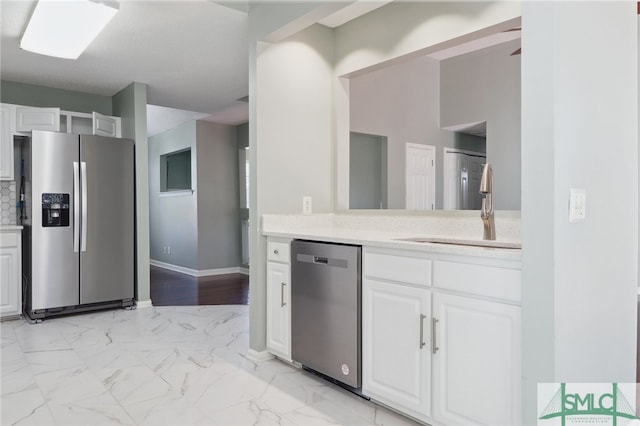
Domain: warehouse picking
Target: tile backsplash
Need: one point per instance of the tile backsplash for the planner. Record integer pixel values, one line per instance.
(8, 213)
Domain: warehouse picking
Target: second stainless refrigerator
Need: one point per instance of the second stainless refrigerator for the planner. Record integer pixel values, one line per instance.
(79, 231)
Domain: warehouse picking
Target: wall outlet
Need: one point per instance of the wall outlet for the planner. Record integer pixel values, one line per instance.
(164, 250)
(169, 250)
(577, 204)
(306, 205)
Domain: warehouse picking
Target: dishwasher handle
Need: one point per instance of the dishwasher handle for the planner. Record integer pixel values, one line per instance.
(321, 260)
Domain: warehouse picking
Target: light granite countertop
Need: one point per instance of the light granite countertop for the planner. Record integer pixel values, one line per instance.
(389, 232)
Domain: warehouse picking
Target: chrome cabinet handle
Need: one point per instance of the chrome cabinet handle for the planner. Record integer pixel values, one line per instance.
(422, 343)
(434, 344)
(282, 302)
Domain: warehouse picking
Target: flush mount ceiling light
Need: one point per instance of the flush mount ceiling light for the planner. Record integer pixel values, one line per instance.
(65, 28)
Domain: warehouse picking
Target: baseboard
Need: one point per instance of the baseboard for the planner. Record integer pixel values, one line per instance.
(199, 273)
(141, 304)
(256, 356)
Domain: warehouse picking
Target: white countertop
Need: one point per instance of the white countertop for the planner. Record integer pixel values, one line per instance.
(10, 227)
(388, 232)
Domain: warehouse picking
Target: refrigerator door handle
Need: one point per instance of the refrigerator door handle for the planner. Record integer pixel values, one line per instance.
(76, 206)
(83, 237)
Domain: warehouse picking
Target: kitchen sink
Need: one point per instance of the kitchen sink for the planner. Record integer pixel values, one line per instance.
(462, 242)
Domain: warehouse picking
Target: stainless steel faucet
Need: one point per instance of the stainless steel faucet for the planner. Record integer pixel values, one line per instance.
(486, 213)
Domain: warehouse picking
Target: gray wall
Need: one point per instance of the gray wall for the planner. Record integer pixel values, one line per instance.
(367, 171)
(174, 219)
(203, 228)
(131, 105)
(402, 102)
(242, 135)
(218, 202)
(485, 86)
(40, 96)
(579, 130)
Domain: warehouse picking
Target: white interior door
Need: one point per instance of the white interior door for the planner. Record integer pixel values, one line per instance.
(421, 177)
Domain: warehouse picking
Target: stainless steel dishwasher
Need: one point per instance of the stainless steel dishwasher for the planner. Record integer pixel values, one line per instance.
(325, 309)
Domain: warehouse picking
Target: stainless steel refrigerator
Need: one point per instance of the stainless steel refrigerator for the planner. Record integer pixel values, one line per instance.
(79, 226)
(462, 174)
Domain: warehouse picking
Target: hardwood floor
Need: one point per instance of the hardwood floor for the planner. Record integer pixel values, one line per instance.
(169, 288)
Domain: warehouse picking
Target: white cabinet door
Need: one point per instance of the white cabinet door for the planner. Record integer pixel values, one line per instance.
(476, 370)
(104, 125)
(10, 282)
(30, 118)
(278, 310)
(6, 144)
(396, 346)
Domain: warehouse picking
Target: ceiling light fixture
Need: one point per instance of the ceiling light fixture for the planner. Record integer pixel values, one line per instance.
(65, 28)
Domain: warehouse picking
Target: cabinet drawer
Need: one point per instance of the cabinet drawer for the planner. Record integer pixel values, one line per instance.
(397, 267)
(9, 239)
(489, 281)
(278, 252)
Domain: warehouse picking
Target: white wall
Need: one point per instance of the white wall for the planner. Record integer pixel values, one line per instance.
(290, 134)
(485, 86)
(579, 130)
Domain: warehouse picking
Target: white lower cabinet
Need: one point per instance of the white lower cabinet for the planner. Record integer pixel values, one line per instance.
(278, 300)
(10, 273)
(476, 370)
(435, 353)
(395, 346)
(278, 311)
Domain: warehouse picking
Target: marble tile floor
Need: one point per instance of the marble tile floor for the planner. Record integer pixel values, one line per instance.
(183, 365)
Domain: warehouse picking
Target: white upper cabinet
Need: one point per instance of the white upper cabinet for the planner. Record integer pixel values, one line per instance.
(31, 118)
(105, 125)
(6, 144)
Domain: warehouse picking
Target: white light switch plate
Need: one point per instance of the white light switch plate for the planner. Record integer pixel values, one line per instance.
(577, 204)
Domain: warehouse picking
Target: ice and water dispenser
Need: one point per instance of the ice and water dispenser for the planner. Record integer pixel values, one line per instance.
(55, 210)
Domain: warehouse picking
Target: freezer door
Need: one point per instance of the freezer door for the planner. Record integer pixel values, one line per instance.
(107, 239)
(54, 264)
